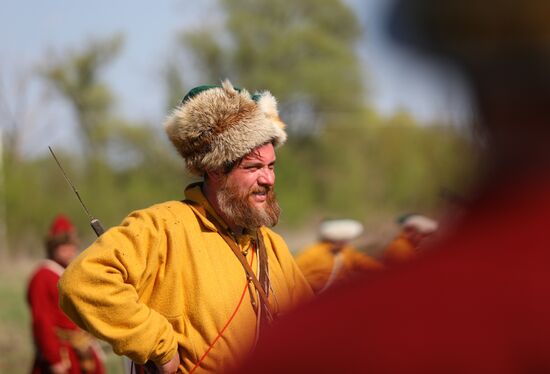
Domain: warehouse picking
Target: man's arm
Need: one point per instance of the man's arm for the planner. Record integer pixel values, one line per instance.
(100, 290)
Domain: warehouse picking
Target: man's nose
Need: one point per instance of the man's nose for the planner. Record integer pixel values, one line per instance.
(267, 177)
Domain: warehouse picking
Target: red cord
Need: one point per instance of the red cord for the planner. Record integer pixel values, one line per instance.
(226, 324)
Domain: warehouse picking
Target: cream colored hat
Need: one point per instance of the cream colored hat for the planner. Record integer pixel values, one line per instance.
(421, 223)
(337, 230)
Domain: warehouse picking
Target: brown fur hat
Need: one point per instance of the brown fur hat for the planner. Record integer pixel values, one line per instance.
(217, 125)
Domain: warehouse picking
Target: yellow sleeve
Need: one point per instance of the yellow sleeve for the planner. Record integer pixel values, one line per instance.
(100, 291)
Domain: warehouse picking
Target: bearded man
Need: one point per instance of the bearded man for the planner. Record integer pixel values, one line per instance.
(186, 286)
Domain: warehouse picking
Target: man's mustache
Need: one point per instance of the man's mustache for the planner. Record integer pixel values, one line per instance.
(261, 189)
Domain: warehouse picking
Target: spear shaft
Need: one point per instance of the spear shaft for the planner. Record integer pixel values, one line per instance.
(94, 222)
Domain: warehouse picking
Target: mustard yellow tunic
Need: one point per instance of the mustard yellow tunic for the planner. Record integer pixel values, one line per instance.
(317, 263)
(165, 280)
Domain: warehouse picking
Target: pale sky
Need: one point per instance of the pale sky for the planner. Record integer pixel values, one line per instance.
(29, 29)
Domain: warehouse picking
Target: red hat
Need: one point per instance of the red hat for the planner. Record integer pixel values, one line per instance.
(61, 225)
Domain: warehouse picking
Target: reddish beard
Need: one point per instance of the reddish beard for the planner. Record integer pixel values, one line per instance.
(238, 208)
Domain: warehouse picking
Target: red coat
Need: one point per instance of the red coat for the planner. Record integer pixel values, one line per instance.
(48, 319)
(480, 303)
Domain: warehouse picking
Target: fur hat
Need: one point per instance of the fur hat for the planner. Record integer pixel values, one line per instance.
(217, 125)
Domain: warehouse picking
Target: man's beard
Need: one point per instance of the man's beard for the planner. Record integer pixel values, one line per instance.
(237, 207)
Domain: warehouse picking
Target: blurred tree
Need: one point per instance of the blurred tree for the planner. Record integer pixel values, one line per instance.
(303, 51)
(3, 215)
(13, 115)
(24, 117)
(342, 158)
(209, 53)
(175, 89)
(76, 76)
(127, 165)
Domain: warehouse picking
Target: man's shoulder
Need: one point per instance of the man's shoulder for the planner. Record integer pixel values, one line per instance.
(160, 216)
(166, 208)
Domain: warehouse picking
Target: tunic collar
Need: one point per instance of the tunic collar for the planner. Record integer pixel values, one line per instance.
(194, 193)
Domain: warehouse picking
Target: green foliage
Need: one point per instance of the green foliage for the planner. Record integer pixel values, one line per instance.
(174, 86)
(359, 166)
(36, 190)
(126, 166)
(207, 51)
(297, 190)
(76, 77)
(362, 166)
(116, 151)
(350, 161)
(302, 51)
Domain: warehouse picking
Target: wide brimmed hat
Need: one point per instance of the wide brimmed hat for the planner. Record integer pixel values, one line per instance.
(215, 126)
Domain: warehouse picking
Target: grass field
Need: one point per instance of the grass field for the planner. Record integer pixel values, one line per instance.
(16, 345)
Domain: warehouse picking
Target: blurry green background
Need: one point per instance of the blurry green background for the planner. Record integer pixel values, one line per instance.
(344, 157)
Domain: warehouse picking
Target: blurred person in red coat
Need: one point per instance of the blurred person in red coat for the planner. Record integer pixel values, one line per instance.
(478, 302)
(61, 347)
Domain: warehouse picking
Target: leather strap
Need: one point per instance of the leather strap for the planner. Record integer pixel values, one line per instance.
(265, 315)
(249, 272)
(264, 265)
(262, 258)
